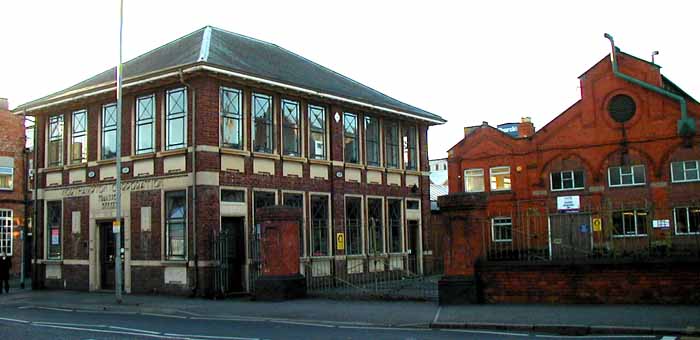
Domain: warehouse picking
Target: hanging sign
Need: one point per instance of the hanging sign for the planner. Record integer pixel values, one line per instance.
(568, 203)
(115, 227)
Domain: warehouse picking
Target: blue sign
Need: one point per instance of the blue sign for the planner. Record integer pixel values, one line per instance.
(509, 128)
(584, 228)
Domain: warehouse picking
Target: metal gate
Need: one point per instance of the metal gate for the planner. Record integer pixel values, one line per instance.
(230, 263)
(570, 235)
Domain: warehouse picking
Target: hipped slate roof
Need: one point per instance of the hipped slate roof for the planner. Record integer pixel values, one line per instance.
(245, 55)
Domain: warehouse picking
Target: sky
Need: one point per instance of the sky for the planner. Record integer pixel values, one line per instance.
(467, 61)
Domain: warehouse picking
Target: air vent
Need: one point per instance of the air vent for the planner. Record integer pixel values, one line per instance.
(621, 108)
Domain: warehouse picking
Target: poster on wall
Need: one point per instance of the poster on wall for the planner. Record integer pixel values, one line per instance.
(54, 236)
(568, 203)
(661, 224)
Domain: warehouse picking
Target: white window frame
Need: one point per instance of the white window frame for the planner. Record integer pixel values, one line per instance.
(231, 115)
(6, 228)
(495, 224)
(12, 177)
(684, 180)
(329, 228)
(356, 137)
(380, 157)
(499, 170)
(402, 229)
(284, 127)
(675, 225)
(167, 117)
(636, 227)
(271, 124)
(138, 122)
(382, 208)
(573, 180)
(313, 155)
(166, 233)
(467, 174)
(47, 245)
(102, 131)
(631, 173)
(74, 134)
(60, 121)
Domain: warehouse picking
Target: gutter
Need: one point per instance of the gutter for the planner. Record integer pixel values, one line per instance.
(194, 181)
(686, 125)
(209, 68)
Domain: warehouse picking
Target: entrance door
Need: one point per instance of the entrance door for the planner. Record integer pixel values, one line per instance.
(108, 246)
(413, 240)
(233, 261)
(570, 235)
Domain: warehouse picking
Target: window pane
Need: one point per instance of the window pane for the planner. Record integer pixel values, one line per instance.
(501, 229)
(54, 222)
(681, 220)
(262, 123)
(372, 140)
(176, 129)
(6, 178)
(617, 223)
(317, 123)
(145, 107)
(639, 177)
(6, 231)
(410, 161)
(578, 179)
(641, 216)
(176, 119)
(392, 144)
(628, 222)
(175, 214)
(395, 226)
(55, 151)
(351, 142)
(556, 181)
(353, 225)
(614, 175)
(145, 138)
(474, 180)
(233, 196)
(694, 220)
(691, 171)
(500, 178)
(677, 171)
(375, 215)
(291, 137)
(109, 144)
(319, 225)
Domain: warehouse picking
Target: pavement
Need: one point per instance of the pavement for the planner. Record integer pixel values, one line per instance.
(679, 320)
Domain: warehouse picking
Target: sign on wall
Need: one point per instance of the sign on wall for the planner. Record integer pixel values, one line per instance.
(568, 203)
(661, 224)
(597, 224)
(340, 241)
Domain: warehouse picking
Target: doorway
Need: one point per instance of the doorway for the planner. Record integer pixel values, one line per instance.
(570, 235)
(108, 246)
(413, 245)
(232, 255)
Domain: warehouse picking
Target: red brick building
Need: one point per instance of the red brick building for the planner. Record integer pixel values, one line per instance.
(13, 185)
(600, 205)
(215, 125)
(615, 173)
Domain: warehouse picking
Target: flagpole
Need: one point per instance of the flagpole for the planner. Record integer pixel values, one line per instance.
(118, 185)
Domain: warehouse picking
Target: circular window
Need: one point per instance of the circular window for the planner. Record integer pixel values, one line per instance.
(621, 108)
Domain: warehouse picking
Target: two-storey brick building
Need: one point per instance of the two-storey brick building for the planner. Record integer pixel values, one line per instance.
(215, 125)
(13, 188)
(616, 173)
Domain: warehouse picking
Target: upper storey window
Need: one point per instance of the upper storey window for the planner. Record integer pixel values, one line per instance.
(566, 180)
(500, 178)
(79, 137)
(231, 118)
(392, 144)
(352, 145)
(620, 176)
(291, 128)
(263, 134)
(372, 141)
(410, 148)
(109, 131)
(684, 171)
(317, 132)
(474, 180)
(145, 112)
(176, 119)
(55, 153)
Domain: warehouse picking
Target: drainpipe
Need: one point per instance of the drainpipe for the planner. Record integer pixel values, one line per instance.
(686, 125)
(194, 183)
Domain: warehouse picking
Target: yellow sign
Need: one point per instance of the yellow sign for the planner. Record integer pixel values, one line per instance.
(597, 224)
(340, 241)
(115, 227)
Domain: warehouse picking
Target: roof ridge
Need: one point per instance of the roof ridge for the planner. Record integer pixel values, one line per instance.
(206, 44)
(243, 36)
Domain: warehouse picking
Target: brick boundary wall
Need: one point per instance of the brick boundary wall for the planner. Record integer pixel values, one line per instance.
(675, 282)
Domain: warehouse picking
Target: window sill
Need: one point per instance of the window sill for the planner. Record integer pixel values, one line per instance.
(503, 241)
(174, 263)
(354, 166)
(375, 168)
(235, 152)
(629, 236)
(143, 156)
(394, 170)
(688, 234)
(413, 172)
(54, 262)
(294, 159)
(686, 181)
(565, 190)
(106, 161)
(319, 161)
(76, 166)
(53, 169)
(626, 185)
(321, 257)
(6, 189)
(266, 155)
(180, 151)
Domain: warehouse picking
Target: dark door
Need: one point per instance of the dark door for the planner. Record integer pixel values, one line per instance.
(570, 235)
(108, 246)
(233, 261)
(413, 239)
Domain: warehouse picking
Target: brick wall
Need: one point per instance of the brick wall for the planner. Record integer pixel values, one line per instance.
(617, 283)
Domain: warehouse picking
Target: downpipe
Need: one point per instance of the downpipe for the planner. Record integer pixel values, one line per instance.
(191, 89)
(686, 125)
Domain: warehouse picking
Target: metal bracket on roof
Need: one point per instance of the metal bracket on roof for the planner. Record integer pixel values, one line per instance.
(204, 50)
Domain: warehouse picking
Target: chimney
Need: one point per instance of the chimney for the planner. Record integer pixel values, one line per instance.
(526, 128)
(4, 104)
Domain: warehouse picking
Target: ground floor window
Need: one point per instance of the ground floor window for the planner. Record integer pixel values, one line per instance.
(502, 229)
(629, 223)
(319, 225)
(6, 232)
(687, 220)
(395, 226)
(353, 225)
(176, 214)
(375, 225)
(53, 232)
